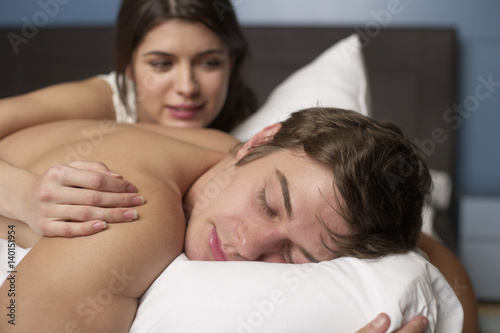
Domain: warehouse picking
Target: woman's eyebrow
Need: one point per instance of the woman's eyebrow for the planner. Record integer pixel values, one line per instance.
(167, 54)
(285, 191)
(158, 53)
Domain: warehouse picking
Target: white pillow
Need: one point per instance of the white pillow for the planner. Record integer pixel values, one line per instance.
(336, 78)
(341, 295)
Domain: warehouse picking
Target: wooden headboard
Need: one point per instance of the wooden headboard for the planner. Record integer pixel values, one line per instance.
(411, 73)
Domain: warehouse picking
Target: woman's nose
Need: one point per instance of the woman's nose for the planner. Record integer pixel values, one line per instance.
(186, 83)
(257, 241)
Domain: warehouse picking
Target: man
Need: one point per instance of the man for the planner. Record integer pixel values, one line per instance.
(287, 195)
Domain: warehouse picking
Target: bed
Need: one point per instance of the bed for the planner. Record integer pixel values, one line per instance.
(404, 75)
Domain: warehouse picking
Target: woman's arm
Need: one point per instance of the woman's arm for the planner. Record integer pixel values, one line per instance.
(87, 99)
(456, 275)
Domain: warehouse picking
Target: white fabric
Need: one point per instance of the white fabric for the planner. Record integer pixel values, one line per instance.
(337, 296)
(121, 111)
(440, 200)
(336, 78)
(441, 191)
(10, 256)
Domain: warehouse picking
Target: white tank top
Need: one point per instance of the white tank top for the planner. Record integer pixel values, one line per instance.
(121, 111)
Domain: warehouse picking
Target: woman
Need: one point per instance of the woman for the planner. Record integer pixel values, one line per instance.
(177, 64)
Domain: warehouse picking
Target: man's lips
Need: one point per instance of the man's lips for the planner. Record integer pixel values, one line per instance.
(215, 246)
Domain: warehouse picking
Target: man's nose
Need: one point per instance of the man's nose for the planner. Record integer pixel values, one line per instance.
(258, 241)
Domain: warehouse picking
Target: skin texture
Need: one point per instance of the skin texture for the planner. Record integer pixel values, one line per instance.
(72, 199)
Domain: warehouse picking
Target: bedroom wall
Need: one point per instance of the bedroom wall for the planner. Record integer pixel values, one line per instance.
(478, 30)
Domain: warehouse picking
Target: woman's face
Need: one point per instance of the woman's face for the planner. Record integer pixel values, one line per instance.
(181, 72)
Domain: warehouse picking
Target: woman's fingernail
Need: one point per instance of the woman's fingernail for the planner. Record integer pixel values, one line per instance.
(138, 200)
(379, 321)
(131, 188)
(130, 214)
(99, 226)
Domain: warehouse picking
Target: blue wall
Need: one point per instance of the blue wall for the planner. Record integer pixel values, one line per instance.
(477, 23)
(58, 12)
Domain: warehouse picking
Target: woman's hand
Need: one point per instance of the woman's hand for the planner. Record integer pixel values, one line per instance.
(382, 322)
(78, 199)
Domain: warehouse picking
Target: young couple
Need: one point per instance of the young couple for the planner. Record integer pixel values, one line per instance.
(315, 187)
(178, 64)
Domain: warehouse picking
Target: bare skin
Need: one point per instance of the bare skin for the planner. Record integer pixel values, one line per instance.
(107, 196)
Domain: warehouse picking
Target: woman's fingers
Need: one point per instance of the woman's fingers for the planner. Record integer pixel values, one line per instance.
(81, 196)
(79, 192)
(94, 166)
(73, 229)
(89, 213)
(66, 175)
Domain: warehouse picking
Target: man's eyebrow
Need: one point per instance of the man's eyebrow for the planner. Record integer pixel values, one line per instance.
(285, 191)
(288, 207)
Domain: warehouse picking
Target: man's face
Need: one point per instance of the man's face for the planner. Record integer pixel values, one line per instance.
(266, 210)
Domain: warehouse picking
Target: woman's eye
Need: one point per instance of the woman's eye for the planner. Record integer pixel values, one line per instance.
(160, 66)
(287, 254)
(211, 63)
(264, 205)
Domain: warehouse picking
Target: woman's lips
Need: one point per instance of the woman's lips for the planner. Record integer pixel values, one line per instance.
(215, 246)
(185, 111)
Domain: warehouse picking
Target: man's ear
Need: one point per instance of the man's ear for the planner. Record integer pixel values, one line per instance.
(265, 135)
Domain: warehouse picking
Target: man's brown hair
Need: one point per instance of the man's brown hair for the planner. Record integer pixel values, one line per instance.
(380, 177)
